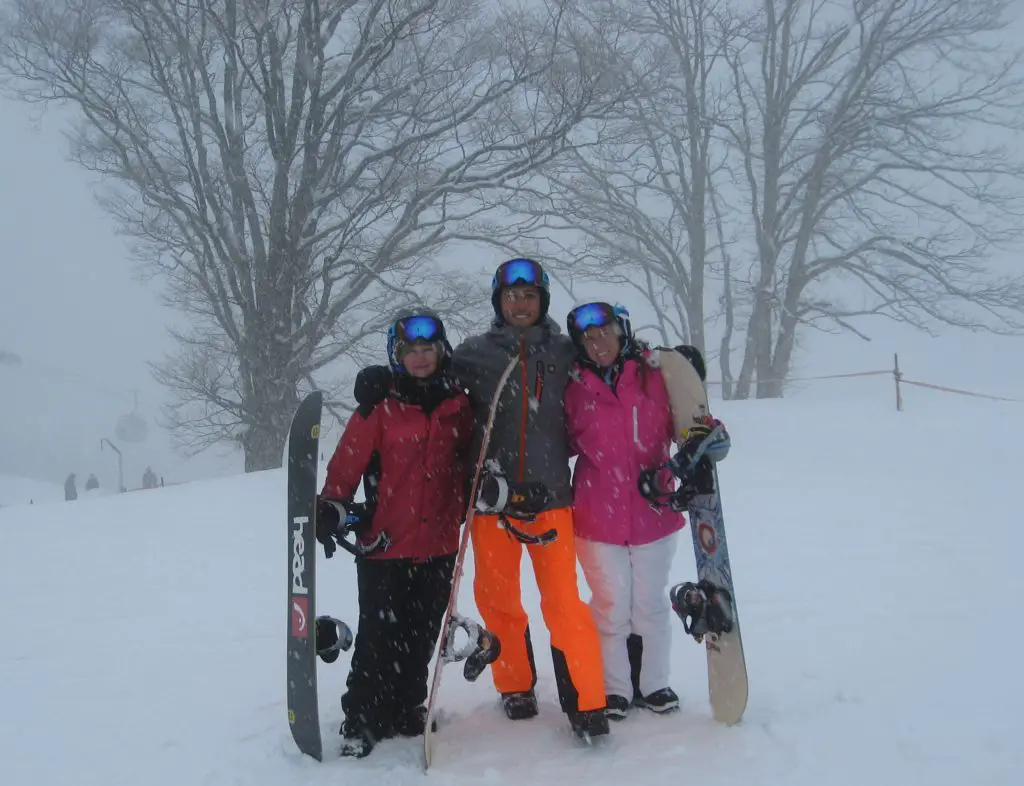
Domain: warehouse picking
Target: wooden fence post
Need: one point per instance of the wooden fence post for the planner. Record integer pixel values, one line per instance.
(897, 376)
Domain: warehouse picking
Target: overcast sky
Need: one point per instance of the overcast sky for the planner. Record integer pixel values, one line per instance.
(71, 308)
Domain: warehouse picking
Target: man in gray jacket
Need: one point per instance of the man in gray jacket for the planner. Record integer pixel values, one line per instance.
(528, 445)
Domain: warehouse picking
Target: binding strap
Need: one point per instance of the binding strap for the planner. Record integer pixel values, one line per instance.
(543, 539)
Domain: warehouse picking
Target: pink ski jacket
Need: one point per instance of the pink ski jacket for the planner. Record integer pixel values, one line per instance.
(616, 434)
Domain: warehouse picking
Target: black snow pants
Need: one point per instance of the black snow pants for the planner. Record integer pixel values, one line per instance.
(401, 605)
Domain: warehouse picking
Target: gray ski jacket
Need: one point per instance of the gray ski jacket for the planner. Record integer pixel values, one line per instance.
(529, 435)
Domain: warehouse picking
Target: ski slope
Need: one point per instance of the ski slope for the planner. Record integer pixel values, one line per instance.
(16, 490)
(876, 556)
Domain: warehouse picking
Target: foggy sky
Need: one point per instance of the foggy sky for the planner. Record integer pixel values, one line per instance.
(85, 328)
(71, 308)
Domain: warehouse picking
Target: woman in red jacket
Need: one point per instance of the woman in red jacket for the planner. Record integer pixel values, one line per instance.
(409, 452)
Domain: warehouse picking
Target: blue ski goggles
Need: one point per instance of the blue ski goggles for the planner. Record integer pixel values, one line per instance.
(517, 272)
(418, 328)
(590, 315)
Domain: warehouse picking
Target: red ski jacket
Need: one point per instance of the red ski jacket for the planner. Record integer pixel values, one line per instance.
(423, 469)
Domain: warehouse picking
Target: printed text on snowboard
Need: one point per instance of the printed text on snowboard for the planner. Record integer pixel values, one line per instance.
(300, 608)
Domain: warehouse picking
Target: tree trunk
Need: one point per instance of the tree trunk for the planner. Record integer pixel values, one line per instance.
(758, 347)
(263, 444)
(784, 344)
(785, 341)
(270, 394)
(698, 237)
(270, 411)
(730, 323)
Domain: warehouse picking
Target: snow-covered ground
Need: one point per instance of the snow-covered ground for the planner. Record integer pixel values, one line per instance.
(16, 490)
(876, 556)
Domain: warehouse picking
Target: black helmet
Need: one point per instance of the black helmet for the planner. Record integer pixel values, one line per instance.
(598, 314)
(518, 271)
(421, 325)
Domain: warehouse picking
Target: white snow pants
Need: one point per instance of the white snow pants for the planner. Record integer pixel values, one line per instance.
(629, 588)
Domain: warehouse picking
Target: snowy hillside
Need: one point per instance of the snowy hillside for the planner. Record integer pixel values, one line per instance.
(876, 556)
(25, 491)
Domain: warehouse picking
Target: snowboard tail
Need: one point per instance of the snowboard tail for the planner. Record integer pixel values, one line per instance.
(303, 450)
(727, 670)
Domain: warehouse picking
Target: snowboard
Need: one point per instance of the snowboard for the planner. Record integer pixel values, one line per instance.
(451, 612)
(727, 670)
(303, 450)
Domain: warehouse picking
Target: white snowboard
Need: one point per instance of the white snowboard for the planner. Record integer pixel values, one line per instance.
(727, 669)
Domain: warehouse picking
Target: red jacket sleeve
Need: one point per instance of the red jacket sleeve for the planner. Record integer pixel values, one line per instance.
(351, 457)
(465, 459)
(467, 422)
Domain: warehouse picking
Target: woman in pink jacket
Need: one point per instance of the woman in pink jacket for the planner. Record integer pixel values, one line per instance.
(620, 424)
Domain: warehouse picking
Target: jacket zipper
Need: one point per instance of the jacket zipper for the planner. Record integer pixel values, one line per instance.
(526, 410)
(421, 530)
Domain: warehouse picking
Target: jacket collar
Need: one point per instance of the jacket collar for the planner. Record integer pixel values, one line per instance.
(591, 378)
(628, 368)
(510, 336)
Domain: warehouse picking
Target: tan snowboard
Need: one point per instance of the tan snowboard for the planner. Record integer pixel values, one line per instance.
(727, 670)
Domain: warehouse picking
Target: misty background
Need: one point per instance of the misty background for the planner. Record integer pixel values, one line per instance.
(80, 325)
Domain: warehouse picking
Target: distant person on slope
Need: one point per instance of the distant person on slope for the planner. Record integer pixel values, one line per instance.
(620, 425)
(91, 482)
(409, 452)
(70, 489)
(528, 460)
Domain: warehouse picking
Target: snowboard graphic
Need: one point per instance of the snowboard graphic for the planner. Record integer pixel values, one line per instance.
(303, 449)
(727, 670)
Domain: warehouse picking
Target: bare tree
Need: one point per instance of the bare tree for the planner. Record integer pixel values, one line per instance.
(293, 167)
(875, 139)
(632, 208)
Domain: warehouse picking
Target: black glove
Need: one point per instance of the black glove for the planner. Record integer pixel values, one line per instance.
(679, 499)
(715, 451)
(694, 478)
(696, 359)
(328, 520)
(372, 386)
(336, 519)
(496, 494)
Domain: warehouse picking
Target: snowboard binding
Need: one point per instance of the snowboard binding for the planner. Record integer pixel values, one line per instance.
(521, 501)
(481, 649)
(336, 520)
(704, 608)
(332, 636)
(692, 466)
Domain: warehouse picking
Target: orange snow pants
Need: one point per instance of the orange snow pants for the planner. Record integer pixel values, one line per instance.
(575, 646)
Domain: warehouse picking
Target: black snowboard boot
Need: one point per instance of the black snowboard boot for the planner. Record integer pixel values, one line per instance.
(589, 723)
(412, 723)
(663, 700)
(520, 705)
(357, 742)
(617, 707)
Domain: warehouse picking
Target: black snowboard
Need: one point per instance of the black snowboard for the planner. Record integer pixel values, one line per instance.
(303, 450)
